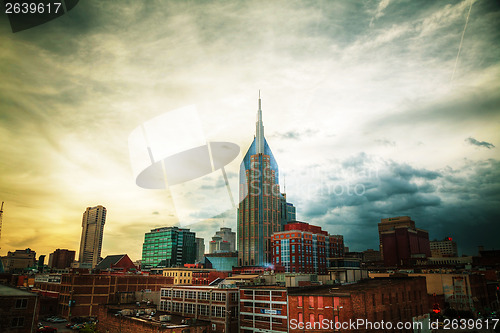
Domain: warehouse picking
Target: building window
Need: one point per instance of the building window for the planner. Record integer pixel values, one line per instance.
(21, 303)
(320, 302)
(311, 319)
(311, 301)
(321, 317)
(301, 319)
(17, 322)
(300, 301)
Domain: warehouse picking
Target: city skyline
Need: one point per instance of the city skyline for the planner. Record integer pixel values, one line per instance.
(371, 110)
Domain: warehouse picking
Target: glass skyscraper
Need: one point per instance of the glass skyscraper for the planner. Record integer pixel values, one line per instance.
(172, 246)
(262, 207)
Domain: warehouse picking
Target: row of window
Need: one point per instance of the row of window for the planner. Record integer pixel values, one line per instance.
(201, 295)
(190, 308)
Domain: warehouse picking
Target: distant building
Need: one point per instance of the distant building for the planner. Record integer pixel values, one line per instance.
(93, 222)
(19, 260)
(444, 248)
(401, 243)
(119, 263)
(200, 249)
(224, 240)
(18, 310)
(391, 223)
(304, 248)
(371, 255)
(168, 246)
(290, 212)
(61, 258)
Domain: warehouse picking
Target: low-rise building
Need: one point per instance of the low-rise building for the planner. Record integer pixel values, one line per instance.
(263, 309)
(130, 318)
(18, 310)
(467, 292)
(19, 260)
(332, 308)
(216, 305)
(81, 294)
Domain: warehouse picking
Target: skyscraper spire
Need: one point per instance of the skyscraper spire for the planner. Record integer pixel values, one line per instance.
(259, 133)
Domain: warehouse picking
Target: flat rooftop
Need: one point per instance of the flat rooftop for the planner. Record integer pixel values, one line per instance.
(14, 292)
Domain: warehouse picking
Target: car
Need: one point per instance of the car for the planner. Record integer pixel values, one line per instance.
(77, 327)
(59, 320)
(46, 329)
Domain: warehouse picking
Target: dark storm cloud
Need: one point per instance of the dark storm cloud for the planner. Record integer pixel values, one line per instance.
(473, 105)
(475, 142)
(460, 202)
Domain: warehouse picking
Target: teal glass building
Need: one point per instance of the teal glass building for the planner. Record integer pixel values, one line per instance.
(172, 246)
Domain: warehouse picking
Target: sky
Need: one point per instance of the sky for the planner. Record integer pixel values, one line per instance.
(372, 109)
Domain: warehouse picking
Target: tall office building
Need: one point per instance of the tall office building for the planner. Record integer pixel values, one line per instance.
(391, 223)
(200, 249)
(169, 247)
(224, 240)
(92, 232)
(402, 244)
(262, 209)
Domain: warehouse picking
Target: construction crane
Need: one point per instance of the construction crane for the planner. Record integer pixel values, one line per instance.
(1, 214)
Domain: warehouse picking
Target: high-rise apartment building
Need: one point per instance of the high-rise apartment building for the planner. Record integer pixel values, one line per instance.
(305, 248)
(172, 246)
(444, 248)
(224, 240)
(262, 209)
(92, 231)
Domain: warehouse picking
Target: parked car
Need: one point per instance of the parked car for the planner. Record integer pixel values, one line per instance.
(77, 327)
(46, 329)
(59, 320)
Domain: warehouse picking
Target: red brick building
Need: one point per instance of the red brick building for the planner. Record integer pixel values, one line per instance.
(323, 309)
(61, 258)
(205, 277)
(263, 308)
(304, 248)
(18, 310)
(216, 305)
(87, 291)
(119, 263)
